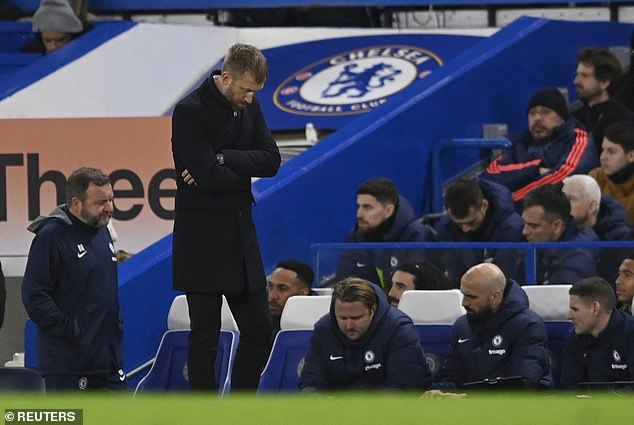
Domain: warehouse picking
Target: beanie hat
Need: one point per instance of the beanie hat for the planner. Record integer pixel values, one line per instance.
(56, 16)
(550, 98)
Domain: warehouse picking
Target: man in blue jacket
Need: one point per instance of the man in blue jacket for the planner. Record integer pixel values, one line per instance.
(554, 147)
(364, 343)
(547, 218)
(499, 337)
(479, 211)
(70, 289)
(601, 348)
(382, 216)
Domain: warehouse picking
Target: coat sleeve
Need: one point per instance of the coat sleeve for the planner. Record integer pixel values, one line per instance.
(406, 366)
(572, 265)
(38, 287)
(262, 159)
(452, 373)
(572, 371)
(529, 358)
(313, 375)
(194, 152)
(512, 171)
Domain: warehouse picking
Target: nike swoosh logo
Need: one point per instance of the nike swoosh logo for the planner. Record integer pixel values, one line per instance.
(462, 340)
(360, 264)
(335, 357)
(81, 254)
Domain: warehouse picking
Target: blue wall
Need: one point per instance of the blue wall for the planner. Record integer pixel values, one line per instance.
(312, 199)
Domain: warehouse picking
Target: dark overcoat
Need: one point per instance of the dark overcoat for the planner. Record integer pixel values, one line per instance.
(215, 247)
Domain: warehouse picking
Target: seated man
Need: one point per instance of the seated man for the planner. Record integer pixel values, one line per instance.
(596, 82)
(552, 148)
(625, 283)
(55, 25)
(415, 276)
(601, 348)
(547, 218)
(479, 211)
(603, 214)
(364, 343)
(499, 337)
(289, 278)
(616, 173)
(382, 216)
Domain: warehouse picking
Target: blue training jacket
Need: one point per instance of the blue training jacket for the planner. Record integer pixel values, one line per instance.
(512, 342)
(389, 355)
(70, 290)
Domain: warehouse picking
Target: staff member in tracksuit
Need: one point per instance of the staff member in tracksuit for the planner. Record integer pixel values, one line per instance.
(70, 289)
(499, 337)
(364, 343)
(601, 348)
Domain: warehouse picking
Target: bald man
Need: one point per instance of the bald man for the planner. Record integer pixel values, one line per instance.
(499, 336)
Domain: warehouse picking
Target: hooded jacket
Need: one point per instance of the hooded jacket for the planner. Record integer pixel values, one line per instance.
(373, 265)
(502, 224)
(388, 356)
(569, 150)
(512, 342)
(606, 358)
(70, 290)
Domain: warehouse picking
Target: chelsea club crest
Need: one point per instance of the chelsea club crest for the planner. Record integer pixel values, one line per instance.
(354, 82)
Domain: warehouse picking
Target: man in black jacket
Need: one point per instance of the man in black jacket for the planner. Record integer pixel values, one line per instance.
(219, 142)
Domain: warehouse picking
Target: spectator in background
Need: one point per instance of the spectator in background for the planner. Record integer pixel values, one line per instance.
(547, 218)
(626, 89)
(55, 25)
(289, 278)
(616, 173)
(70, 289)
(415, 276)
(499, 337)
(603, 214)
(625, 283)
(382, 216)
(597, 80)
(553, 147)
(479, 211)
(601, 348)
(3, 296)
(364, 343)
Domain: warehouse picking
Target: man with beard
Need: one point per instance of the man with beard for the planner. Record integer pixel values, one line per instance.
(479, 211)
(70, 289)
(289, 278)
(596, 82)
(499, 337)
(553, 147)
(382, 216)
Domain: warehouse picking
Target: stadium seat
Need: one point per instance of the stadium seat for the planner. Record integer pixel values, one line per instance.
(168, 373)
(432, 307)
(281, 373)
(551, 303)
(433, 314)
(302, 311)
(30, 335)
(178, 316)
(20, 379)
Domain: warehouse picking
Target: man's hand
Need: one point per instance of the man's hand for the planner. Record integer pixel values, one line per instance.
(544, 170)
(440, 394)
(188, 178)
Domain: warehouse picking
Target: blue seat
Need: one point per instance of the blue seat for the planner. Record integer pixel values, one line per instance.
(286, 360)
(435, 340)
(20, 379)
(168, 372)
(30, 334)
(557, 332)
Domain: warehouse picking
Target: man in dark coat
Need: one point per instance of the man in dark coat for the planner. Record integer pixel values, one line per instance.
(499, 337)
(219, 142)
(364, 343)
(383, 215)
(3, 296)
(601, 347)
(479, 211)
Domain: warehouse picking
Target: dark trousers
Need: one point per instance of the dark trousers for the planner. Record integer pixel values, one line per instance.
(250, 310)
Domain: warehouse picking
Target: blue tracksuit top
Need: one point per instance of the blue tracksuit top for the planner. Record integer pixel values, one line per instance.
(607, 358)
(70, 290)
(512, 342)
(389, 355)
